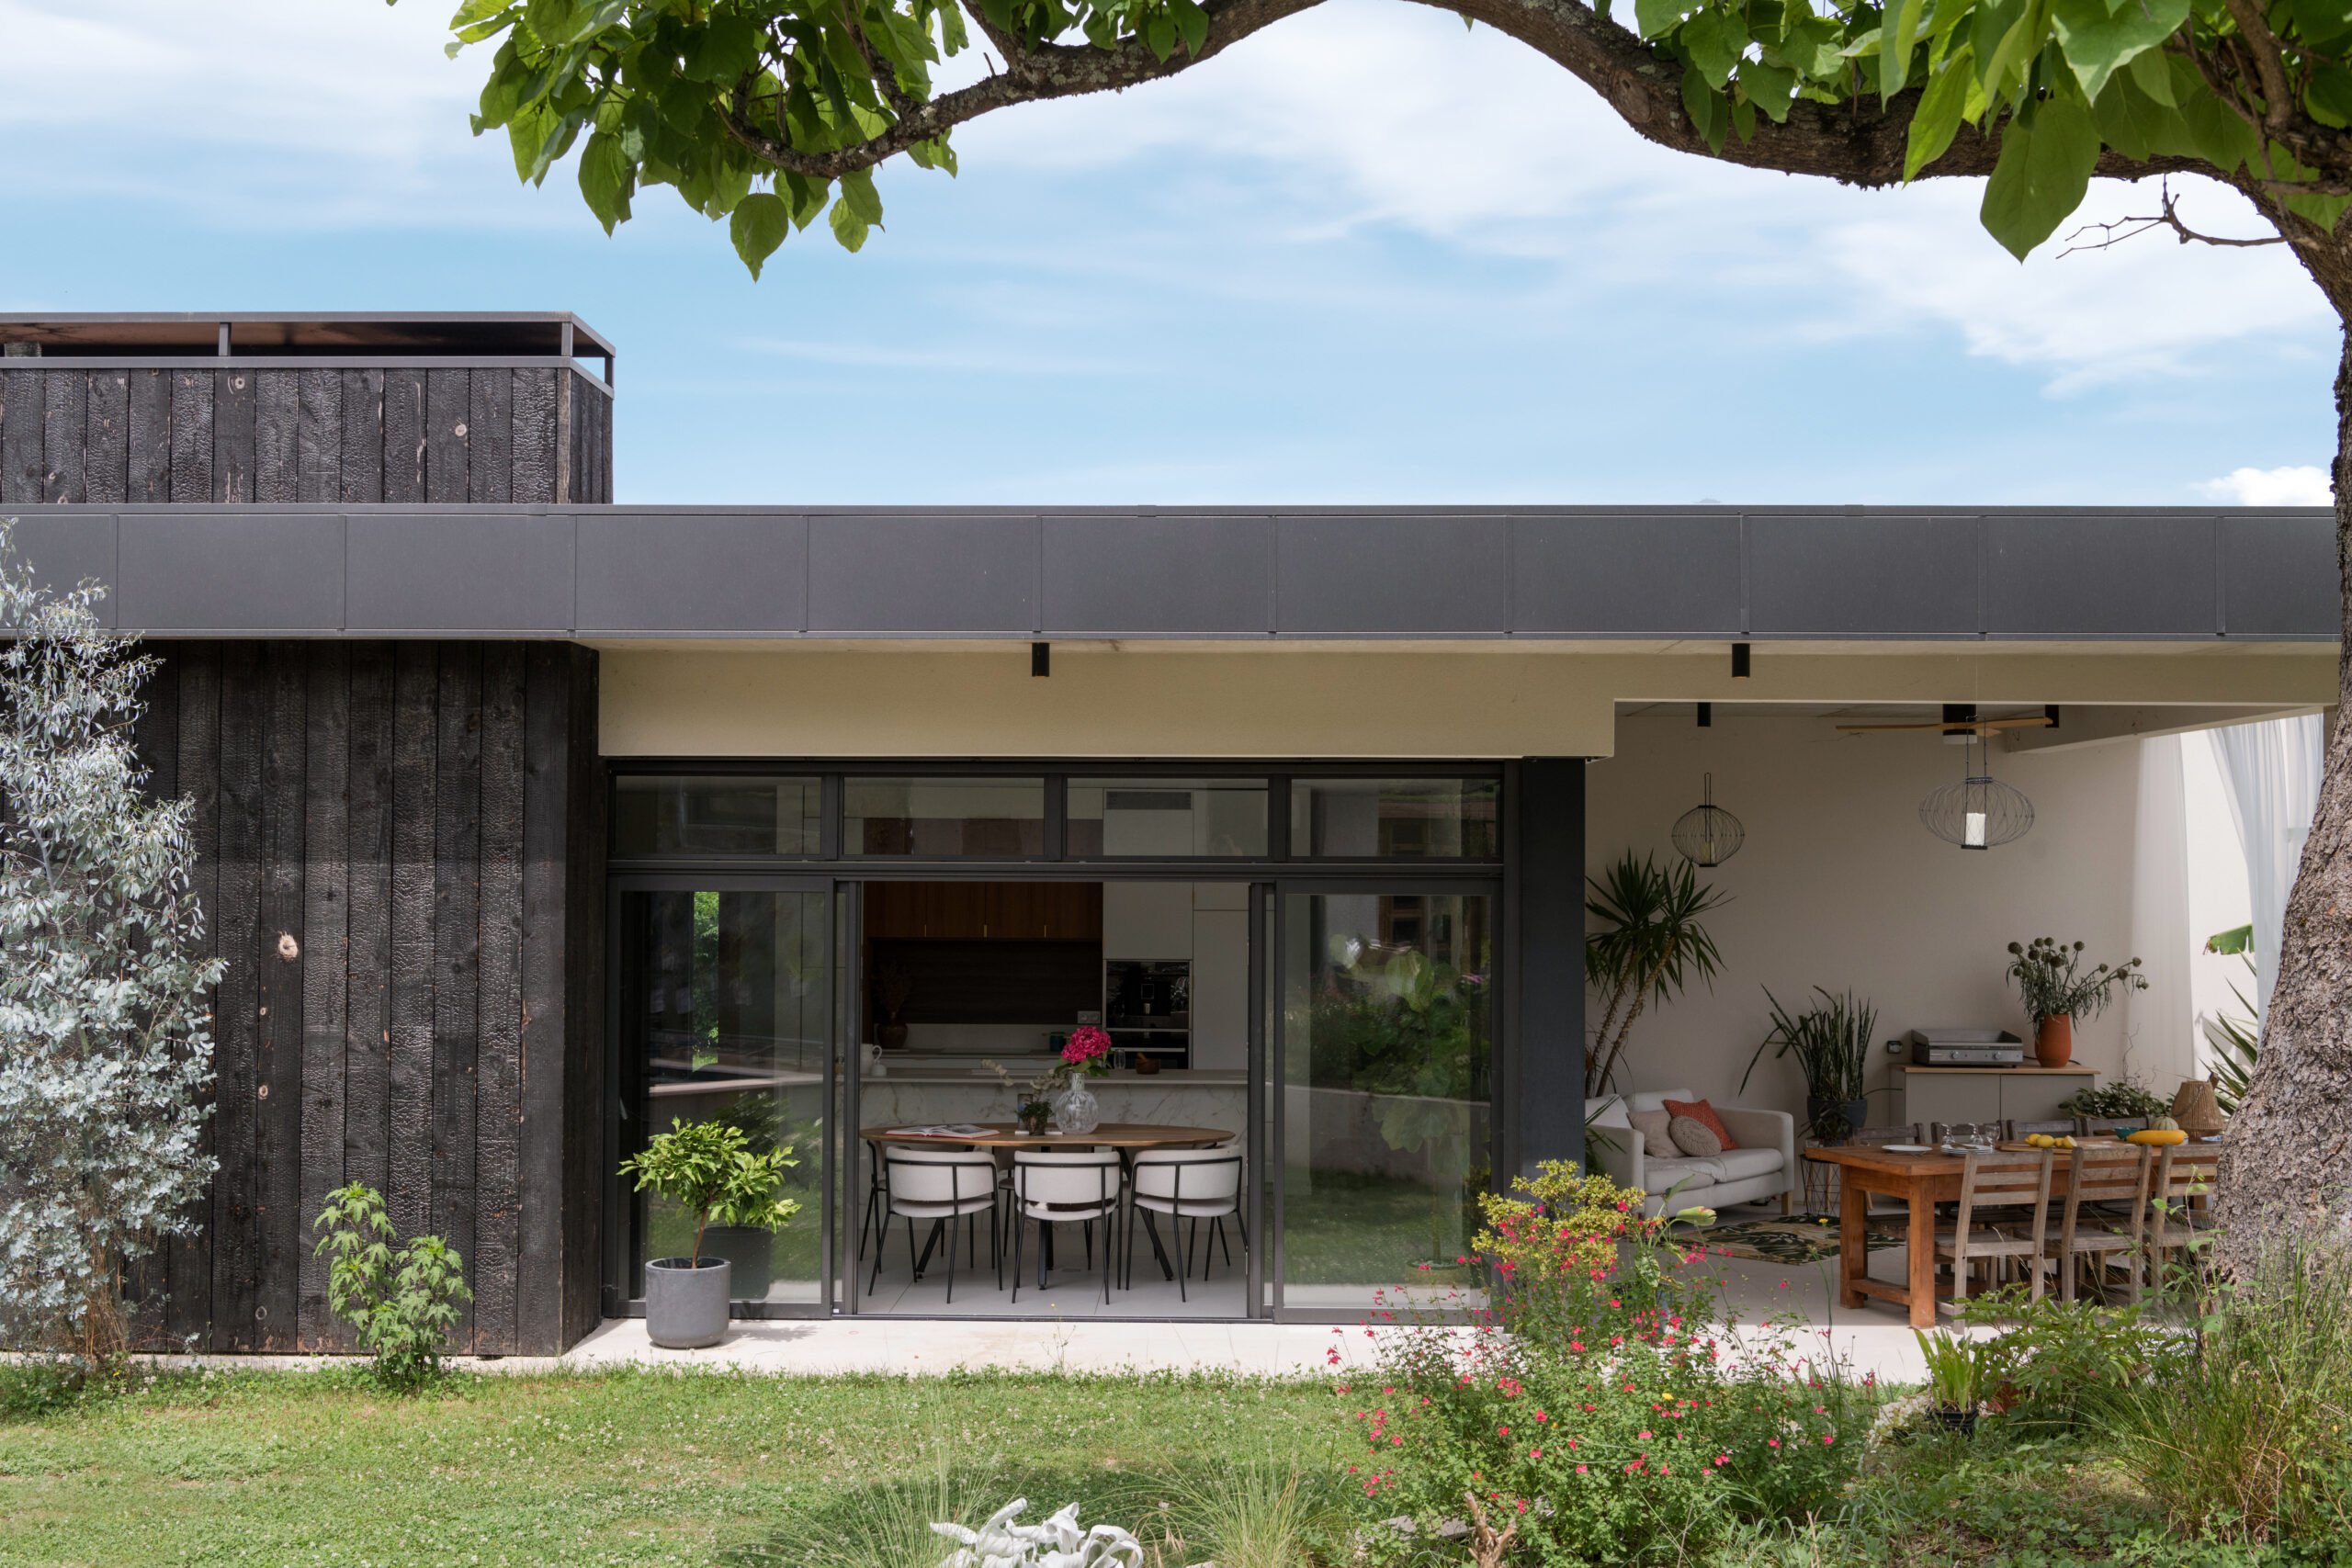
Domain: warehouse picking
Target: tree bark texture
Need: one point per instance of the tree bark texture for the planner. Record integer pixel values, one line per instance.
(2287, 1156)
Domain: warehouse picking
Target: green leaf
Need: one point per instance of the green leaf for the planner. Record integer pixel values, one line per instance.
(848, 227)
(1710, 111)
(2152, 76)
(2044, 168)
(606, 179)
(2129, 120)
(857, 189)
(1655, 19)
(1895, 66)
(723, 50)
(1191, 23)
(1768, 87)
(2095, 42)
(758, 224)
(1160, 36)
(1715, 42)
(1938, 119)
(2330, 98)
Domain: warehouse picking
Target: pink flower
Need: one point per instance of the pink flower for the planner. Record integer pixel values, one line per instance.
(1580, 1469)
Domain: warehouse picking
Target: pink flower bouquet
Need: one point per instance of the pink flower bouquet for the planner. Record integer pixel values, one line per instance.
(1088, 1050)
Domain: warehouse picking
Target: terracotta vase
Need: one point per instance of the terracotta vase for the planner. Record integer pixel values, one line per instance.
(2053, 1041)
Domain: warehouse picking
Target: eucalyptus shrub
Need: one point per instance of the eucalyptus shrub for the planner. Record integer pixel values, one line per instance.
(106, 1050)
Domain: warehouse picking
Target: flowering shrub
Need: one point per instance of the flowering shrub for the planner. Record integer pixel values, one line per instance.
(1597, 1404)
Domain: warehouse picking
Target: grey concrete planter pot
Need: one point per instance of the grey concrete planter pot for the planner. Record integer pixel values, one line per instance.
(686, 1307)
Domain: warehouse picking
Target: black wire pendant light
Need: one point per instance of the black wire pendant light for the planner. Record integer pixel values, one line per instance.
(1707, 834)
(1979, 812)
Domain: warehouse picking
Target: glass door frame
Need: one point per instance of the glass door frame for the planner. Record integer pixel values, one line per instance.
(619, 885)
(1271, 1073)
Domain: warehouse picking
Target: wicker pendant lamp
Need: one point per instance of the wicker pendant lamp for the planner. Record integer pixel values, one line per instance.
(1707, 834)
(1977, 813)
(2196, 1108)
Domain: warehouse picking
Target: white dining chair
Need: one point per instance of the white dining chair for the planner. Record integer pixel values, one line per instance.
(1053, 1189)
(941, 1186)
(1186, 1184)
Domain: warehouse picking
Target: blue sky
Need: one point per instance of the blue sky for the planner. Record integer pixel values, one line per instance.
(1365, 257)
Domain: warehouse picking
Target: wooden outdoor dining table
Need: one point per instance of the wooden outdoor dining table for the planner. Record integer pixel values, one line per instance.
(1922, 1181)
(1109, 1135)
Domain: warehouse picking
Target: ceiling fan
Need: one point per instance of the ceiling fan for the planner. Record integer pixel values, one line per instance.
(1960, 722)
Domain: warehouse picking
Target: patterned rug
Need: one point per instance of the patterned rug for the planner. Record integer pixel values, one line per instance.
(1794, 1238)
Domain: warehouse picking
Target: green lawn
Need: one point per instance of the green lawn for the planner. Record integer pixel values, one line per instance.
(288, 1468)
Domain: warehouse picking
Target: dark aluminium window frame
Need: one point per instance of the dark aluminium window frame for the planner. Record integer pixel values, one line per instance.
(1272, 877)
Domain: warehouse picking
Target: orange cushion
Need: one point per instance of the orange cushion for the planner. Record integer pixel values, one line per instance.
(1700, 1111)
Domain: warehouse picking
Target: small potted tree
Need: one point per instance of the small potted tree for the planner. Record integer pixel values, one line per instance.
(1832, 1044)
(2055, 991)
(708, 1170)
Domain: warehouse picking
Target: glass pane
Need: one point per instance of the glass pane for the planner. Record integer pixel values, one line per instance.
(718, 814)
(1395, 818)
(1386, 1018)
(1167, 816)
(943, 816)
(724, 1013)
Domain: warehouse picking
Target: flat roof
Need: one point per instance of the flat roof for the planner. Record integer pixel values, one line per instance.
(126, 334)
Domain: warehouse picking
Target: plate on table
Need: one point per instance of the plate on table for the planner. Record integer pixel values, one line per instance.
(1906, 1149)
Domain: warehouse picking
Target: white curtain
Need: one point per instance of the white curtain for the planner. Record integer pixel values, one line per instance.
(2160, 1023)
(2272, 771)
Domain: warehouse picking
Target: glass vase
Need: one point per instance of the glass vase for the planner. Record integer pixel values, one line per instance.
(1076, 1110)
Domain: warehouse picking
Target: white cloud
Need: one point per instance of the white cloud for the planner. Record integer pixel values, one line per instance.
(2271, 487)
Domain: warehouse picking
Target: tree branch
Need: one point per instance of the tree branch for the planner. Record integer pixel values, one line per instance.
(2278, 104)
(2168, 217)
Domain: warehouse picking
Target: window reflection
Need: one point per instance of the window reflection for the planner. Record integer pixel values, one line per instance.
(716, 815)
(1395, 818)
(1174, 818)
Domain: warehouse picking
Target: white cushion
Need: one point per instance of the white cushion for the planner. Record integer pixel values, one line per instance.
(1655, 1098)
(1739, 1165)
(1657, 1175)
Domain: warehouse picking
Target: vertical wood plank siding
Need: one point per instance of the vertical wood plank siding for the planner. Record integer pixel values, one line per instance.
(283, 437)
(403, 861)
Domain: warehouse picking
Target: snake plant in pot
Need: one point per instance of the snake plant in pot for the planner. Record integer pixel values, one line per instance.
(709, 1171)
(1832, 1044)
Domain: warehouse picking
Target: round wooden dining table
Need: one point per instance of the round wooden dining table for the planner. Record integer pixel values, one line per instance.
(1109, 1135)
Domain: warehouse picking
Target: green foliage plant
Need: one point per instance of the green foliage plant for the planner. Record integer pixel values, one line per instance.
(2121, 1100)
(769, 114)
(1958, 1368)
(709, 1170)
(105, 1048)
(2050, 979)
(1647, 948)
(1832, 1044)
(2234, 1039)
(1266, 1511)
(2060, 1364)
(2246, 1433)
(1603, 1406)
(402, 1302)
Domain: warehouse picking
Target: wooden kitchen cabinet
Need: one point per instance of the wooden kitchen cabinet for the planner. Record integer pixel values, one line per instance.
(984, 911)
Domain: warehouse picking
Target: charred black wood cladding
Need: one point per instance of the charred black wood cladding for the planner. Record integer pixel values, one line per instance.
(401, 858)
(247, 433)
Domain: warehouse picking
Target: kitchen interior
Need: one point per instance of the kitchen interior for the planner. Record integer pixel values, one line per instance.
(972, 987)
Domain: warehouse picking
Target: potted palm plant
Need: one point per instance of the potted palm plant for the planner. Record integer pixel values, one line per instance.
(2050, 980)
(1832, 1044)
(1649, 944)
(708, 1170)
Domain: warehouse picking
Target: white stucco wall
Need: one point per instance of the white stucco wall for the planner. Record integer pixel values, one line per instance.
(1839, 884)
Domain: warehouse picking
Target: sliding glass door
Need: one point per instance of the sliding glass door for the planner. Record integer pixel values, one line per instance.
(1383, 1100)
(724, 1013)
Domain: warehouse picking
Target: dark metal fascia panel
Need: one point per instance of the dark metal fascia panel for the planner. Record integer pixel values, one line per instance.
(1894, 574)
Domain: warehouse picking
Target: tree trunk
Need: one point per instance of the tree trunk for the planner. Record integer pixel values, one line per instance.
(2287, 1156)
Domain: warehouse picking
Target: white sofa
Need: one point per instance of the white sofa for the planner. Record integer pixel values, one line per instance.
(1764, 1165)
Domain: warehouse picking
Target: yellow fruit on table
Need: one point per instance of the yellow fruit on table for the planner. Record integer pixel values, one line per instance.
(2064, 1144)
(2158, 1136)
(2042, 1141)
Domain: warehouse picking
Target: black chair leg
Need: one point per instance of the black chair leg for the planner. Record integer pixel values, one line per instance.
(1017, 1236)
(1151, 1228)
(877, 1280)
(1184, 1247)
(1223, 1243)
(950, 1224)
